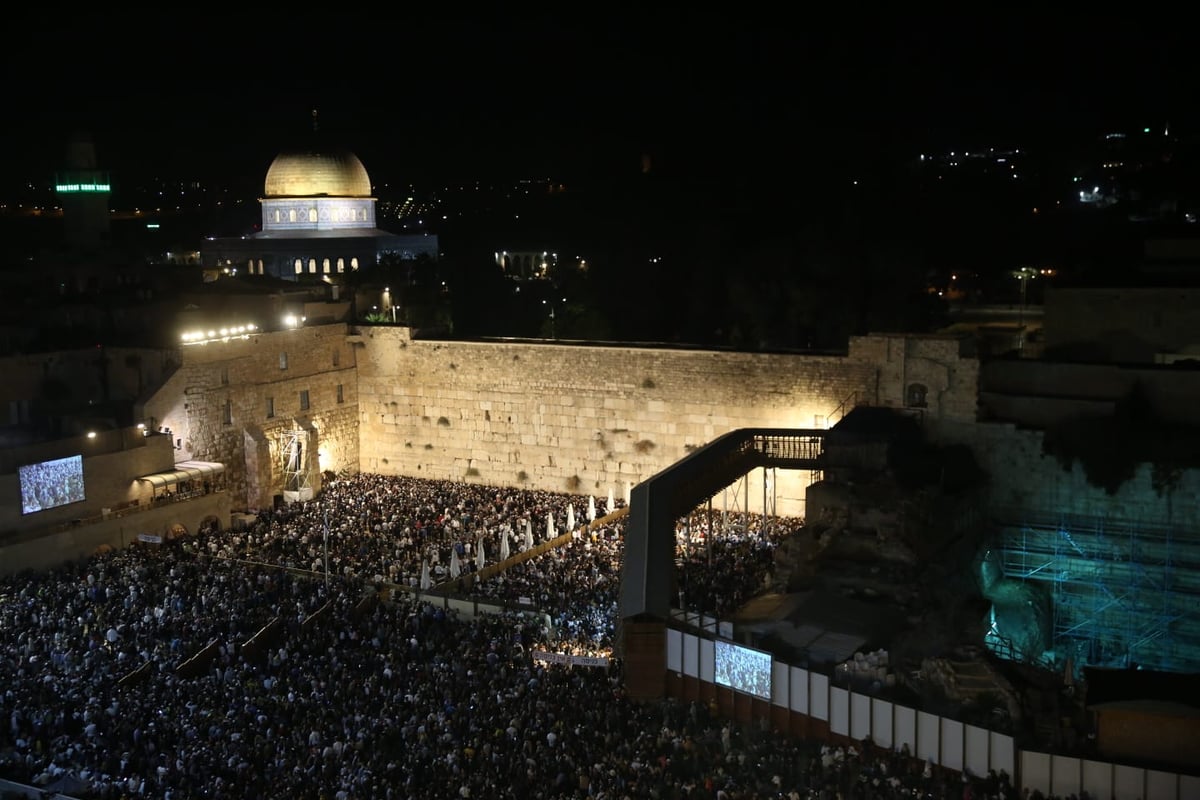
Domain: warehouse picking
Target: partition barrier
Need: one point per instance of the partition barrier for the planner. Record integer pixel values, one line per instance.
(805, 702)
(199, 662)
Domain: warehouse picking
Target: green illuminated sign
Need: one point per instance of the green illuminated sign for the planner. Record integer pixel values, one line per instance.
(79, 188)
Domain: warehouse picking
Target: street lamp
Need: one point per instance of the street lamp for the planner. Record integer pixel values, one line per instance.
(551, 304)
(1024, 274)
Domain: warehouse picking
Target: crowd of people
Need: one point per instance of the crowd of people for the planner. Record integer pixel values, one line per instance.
(389, 528)
(322, 686)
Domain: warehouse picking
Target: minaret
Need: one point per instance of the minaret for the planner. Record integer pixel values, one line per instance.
(83, 190)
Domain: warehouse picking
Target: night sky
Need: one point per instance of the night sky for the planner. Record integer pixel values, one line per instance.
(437, 97)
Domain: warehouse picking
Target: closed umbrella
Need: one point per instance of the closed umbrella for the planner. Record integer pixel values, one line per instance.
(480, 558)
(425, 581)
(570, 516)
(591, 508)
(611, 507)
(549, 525)
(528, 543)
(504, 543)
(455, 567)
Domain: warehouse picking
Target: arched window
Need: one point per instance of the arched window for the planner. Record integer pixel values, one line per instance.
(312, 266)
(260, 267)
(341, 265)
(291, 215)
(312, 215)
(299, 266)
(353, 263)
(277, 215)
(915, 396)
(325, 266)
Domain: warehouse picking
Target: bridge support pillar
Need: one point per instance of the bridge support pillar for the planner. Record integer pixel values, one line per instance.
(645, 659)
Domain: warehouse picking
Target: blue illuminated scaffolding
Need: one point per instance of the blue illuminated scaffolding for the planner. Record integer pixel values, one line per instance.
(1124, 593)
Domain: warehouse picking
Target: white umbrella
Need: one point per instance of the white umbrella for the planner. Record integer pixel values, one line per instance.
(591, 508)
(570, 516)
(504, 543)
(611, 507)
(528, 543)
(480, 558)
(549, 525)
(425, 581)
(628, 491)
(455, 567)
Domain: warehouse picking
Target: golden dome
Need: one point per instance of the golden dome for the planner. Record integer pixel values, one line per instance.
(314, 174)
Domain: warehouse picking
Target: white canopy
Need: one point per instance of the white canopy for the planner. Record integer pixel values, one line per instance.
(184, 471)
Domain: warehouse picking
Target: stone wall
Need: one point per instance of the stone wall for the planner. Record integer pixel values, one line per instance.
(941, 365)
(589, 419)
(1121, 324)
(235, 400)
(117, 530)
(1023, 480)
(559, 417)
(1042, 393)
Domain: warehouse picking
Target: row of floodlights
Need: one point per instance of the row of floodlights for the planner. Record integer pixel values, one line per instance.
(217, 334)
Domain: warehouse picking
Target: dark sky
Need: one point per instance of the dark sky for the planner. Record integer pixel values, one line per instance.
(429, 97)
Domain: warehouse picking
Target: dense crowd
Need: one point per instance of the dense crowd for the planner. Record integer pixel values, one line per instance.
(328, 688)
(389, 528)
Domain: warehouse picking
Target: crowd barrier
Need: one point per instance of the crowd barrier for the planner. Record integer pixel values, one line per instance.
(807, 701)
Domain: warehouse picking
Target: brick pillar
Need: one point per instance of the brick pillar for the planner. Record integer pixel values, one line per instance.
(645, 653)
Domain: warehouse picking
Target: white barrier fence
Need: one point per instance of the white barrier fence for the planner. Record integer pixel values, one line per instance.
(945, 742)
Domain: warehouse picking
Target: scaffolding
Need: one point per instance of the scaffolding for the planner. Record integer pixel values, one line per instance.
(293, 460)
(1125, 593)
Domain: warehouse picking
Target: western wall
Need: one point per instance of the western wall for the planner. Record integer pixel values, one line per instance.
(592, 419)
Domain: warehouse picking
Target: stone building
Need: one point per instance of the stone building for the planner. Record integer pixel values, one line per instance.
(277, 408)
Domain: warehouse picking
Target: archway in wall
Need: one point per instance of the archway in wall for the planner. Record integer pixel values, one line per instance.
(176, 530)
(101, 549)
(210, 524)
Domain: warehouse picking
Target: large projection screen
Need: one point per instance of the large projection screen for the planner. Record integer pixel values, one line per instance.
(50, 484)
(743, 669)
